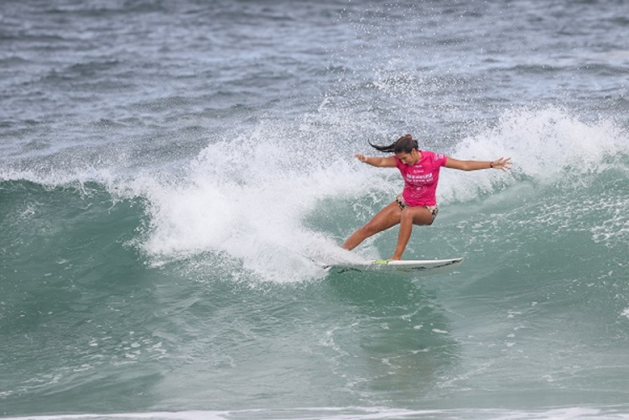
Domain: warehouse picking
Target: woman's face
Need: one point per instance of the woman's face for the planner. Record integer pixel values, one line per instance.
(408, 159)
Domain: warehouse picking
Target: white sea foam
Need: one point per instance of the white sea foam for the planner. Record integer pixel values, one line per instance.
(360, 413)
(249, 206)
(252, 205)
(545, 146)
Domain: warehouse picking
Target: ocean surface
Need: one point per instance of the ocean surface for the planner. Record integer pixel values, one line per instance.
(172, 171)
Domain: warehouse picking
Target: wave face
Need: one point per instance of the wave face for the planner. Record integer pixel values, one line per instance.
(172, 178)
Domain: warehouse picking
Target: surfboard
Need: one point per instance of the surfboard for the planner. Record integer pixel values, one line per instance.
(404, 266)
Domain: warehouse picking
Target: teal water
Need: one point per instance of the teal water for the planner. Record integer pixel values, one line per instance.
(170, 173)
(96, 320)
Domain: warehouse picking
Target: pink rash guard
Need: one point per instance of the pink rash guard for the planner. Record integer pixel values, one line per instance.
(420, 180)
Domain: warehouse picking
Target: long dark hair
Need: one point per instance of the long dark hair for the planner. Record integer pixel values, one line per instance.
(404, 144)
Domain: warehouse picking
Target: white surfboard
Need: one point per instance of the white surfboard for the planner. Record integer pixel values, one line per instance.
(404, 266)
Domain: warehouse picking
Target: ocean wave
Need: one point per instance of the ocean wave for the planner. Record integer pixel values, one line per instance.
(277, 208)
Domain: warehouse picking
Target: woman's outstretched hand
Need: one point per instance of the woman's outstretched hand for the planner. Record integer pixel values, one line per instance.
(502, 164)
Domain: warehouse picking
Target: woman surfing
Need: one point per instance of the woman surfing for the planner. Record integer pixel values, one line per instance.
(417, 204)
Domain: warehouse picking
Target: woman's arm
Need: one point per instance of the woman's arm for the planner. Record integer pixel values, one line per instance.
(474, 165)
(379, 162)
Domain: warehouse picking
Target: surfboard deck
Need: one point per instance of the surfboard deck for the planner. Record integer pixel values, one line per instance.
(404, 266)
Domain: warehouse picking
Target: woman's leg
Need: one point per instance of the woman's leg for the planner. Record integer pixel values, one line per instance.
(410, 216)
(386, 218)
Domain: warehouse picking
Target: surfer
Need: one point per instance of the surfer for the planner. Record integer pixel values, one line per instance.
(417, 204)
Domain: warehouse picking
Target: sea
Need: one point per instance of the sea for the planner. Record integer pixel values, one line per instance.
(175, 175)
